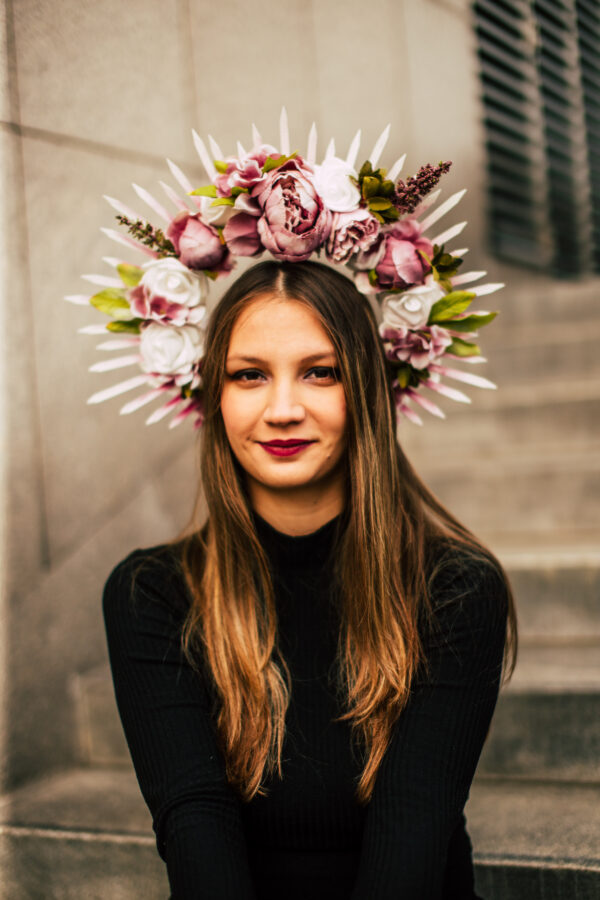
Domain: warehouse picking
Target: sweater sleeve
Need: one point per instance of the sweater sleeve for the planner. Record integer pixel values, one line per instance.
(164, 708)
(424, 779)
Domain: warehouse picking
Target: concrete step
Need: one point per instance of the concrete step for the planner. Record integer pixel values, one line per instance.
(519, 416)
(535, 841)
(547, 722)
(536, 489)
(86, 835)
(542, 351)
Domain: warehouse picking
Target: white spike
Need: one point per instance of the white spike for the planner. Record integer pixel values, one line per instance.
(482, 289)
(256, 138)
(379, 146)
(118, 343)
(127, 241)
(163, 411)
(93, 329)
(241, 151)
(154, 205)
(427, 203)
(113, 261)
(103, 281)
(284, 132)
(353, 149)
(214, 148)
(120, 388)
(119, 362)
(77, 299)
(446, 391)
(426, 403)
(467, 359)
(180, 177)
(447, 235)
(466, 377)
(122, 208)
(140, 401)
(448, 204)
(173, 196)
(397, 168)
(466, 277)
(311, 150)
(204, 156)
(461, 252)
(330, 152)
(411, 415)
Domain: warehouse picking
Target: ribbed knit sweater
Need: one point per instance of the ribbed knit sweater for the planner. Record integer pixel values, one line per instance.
(309, 838)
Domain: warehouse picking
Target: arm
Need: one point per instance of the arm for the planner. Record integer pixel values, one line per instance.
(425, 776)
(164, 707)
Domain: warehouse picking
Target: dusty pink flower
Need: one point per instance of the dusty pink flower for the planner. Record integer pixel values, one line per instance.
(241, 235)
(351, 233)
(243, 172)
(197, 244)
(419, 348)
(294, 221)
(169, 292)
(401, 264)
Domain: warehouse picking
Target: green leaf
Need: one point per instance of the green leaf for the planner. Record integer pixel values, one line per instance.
(236, 190)
(451, 305)
(208, 190)
(132, 327)
(370, 186)
(223, 201)
(379, 203)
(110, 301)
(372, 276)
(392, 214)
(470, 323)
(365, 169)
(130, 275)
(403, 376)
(275, 162)
(462, 348)
(220, 166)
(387, 188)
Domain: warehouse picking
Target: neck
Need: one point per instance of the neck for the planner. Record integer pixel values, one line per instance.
(300, 511)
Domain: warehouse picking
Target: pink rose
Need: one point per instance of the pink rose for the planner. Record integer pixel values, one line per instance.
(294, 221)
(241, 235)
(351, 232)
(401, 264)
(243, 172)
(198, 245)
(170, 293)
(419, 348)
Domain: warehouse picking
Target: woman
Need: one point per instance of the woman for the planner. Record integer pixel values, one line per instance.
(306, 681)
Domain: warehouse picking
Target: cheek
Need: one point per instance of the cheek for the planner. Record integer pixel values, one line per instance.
(238, 409)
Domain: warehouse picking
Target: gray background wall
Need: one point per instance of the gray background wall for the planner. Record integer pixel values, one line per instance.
(95, 93)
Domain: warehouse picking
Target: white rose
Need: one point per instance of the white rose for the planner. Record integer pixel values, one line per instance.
(214, 215)
(410, 309)
(332, 183)
(170, 279)
(170, 350)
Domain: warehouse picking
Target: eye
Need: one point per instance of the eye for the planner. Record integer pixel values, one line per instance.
(247, 376)
(324, 373)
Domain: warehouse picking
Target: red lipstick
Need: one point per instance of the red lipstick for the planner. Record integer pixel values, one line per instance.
(285, 448)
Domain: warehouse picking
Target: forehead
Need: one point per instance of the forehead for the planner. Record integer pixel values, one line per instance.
(276, 324)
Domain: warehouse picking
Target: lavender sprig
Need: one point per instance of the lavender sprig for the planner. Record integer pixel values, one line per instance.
(409, 193)
(151, 237)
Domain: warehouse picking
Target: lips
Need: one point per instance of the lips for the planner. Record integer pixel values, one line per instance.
(285, 448)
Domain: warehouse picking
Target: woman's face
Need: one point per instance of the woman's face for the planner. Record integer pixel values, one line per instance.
(283, 405)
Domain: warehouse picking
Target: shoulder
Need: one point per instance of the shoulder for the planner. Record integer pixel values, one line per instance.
(467, 584)
(147, 577)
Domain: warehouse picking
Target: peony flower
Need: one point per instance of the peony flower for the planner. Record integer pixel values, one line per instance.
(401, 265)
(170, 350)
(294, 221)
(197, 244)
(419, 348)
(214, 215)
(241, 235)
(169, 292)
(333, 183)
(245, 171)
(351, 233)
(410, 309)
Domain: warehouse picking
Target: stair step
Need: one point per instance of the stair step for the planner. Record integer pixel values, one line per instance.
(535, 841)
(87, 833)
(547, 721)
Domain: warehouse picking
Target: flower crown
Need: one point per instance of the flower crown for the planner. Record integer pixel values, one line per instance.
(367, 219)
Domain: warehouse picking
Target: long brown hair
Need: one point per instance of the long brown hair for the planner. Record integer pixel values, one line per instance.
(383, 582)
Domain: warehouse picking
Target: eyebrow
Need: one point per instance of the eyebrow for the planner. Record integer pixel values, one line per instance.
(257, 361)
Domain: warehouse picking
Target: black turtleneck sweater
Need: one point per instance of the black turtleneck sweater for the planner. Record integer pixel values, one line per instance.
(309, 838)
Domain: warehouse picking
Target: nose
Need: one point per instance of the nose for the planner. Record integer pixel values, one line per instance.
(283, 404)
